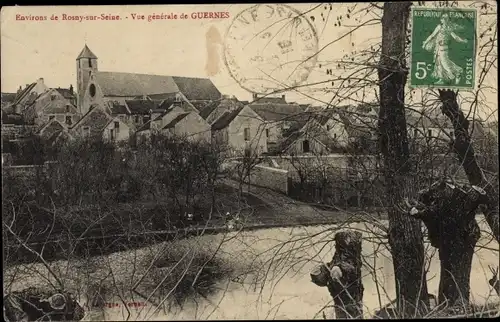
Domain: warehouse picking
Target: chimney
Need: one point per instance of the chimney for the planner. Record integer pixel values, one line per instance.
(40, 80)
(283, 96)
(254, 95)
(71, 89)
(20, 88)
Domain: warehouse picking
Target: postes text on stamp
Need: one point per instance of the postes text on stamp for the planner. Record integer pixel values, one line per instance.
(270, 47)
(443, 48)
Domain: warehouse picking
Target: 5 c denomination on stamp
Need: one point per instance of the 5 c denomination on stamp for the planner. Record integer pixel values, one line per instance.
(270, 47)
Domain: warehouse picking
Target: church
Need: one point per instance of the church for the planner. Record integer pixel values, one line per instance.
(129, 99)
(96, 87)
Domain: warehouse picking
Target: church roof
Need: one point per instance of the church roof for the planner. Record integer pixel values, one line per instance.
(131, 85)
(86, 53)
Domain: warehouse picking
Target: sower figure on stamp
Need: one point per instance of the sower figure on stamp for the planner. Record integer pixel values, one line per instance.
(445, 69)
(342, 276)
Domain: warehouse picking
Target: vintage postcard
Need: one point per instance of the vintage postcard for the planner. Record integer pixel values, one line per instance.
(250, 161)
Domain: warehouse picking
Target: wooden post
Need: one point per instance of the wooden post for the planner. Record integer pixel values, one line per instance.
(342, 276)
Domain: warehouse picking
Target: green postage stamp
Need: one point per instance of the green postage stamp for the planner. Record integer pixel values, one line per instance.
(443, 48)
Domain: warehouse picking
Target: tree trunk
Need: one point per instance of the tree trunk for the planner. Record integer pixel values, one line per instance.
(405, 236)
(449, 214)
(342, 276)
(466, 156)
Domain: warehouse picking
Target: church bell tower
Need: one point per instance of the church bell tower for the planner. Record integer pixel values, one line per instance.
(86, 63)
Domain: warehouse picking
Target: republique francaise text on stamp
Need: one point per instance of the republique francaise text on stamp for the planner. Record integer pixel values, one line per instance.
(443, 47)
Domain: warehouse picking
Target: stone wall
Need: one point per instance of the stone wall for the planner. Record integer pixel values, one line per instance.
(262, 176)
(11, 131)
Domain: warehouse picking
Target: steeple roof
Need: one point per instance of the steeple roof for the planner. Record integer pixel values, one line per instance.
(86, 53)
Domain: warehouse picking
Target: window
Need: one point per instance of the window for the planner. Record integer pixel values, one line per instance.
(112, 134)
(52, 97)
(267, 133)
(86, 131)
(247, 134)
(305, 146)
(67, 109)
(452, 134)
(334, 135)
(415, 133)
(137, 119)
(69, 121)
(328, 127)
(117, 127)
(92, 90)
(90, 62)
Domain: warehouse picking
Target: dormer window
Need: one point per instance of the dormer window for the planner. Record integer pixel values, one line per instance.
(53, 97)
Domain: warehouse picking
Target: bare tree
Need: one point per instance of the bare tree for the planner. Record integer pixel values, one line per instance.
(405, 235)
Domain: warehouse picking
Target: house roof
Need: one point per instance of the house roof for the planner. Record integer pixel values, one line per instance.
(55, 122)
(146, 126)
(176, 120)
(92, 109)
(227, 104)
(86, 53)
(129, 84)
(270, 100)
(207, 109)
(276, 112)
(58, 107)
(322, 115)
(226, 119)
(156, 86)
(117, 108)
(66, 92)
(141, 106)
(24, 92)
(197, 88)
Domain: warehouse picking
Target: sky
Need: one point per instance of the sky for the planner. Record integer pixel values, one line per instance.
(177, 47)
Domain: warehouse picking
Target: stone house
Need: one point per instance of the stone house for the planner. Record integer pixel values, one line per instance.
(27, 95)
(243, 131)
(279, 117)
(98, 124)
(55, 103)
(176, 121)
(116, 131)
(212, 111)
(330, 120)
(312, 139)
(55, 132)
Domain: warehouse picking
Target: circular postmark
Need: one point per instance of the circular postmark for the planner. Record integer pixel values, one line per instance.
(270, 47)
